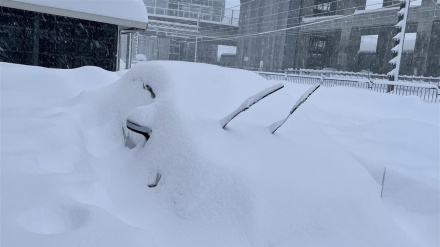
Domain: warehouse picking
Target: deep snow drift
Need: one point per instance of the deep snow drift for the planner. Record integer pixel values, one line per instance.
(73, 174)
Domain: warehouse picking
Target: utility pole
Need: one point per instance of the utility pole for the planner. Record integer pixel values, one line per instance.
(197, 37)
(399, 40)
(118, 51)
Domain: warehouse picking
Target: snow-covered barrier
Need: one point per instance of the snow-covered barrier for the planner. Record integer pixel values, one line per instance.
(426, 91)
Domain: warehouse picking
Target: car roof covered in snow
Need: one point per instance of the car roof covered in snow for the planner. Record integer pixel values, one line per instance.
(124, 13)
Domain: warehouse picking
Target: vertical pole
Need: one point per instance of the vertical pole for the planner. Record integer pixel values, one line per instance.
(128, 55)
(197, 37)
(232, 17)
(158, 48)
(118, 51)
(399, 40)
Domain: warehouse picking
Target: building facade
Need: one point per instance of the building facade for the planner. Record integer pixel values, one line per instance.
(344, 35)
(173, 42)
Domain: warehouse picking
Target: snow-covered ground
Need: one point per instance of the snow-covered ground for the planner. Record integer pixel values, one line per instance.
(72, 174)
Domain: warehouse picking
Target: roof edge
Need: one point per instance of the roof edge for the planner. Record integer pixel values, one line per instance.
(124, 24)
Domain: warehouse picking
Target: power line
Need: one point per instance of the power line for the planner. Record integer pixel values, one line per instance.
(250, 20)
(284, 12)
(255, 26)
(250, 29)
(289, 28)
(269, 33)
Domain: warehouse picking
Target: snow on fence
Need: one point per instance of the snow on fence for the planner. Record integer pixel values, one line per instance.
(332, 82)
(426, 91)
(364, 75)
(291, 78)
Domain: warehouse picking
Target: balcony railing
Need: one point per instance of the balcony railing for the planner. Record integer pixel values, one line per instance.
(230, 17)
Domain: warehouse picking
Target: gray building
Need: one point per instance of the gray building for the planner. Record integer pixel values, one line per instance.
(175, 38)
(345, 35)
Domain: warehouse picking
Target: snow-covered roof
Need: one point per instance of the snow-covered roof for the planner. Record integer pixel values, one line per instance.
(124, 13)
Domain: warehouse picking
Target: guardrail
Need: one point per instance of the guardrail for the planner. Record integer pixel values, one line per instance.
(428, 92)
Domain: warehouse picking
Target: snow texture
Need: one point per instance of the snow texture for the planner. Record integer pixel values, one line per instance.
(72, 174)
(133, 10)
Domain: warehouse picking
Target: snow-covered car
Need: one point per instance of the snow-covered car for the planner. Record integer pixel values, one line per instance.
(150, 158)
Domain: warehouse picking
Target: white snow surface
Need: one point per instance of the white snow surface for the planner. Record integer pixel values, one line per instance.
(133, 10)
(73, 175)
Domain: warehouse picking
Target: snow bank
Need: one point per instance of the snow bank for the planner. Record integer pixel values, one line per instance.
(73, 173)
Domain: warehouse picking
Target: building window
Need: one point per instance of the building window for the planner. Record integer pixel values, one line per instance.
(324, 7)
(318, 44)
(318, 52)
(368, 44)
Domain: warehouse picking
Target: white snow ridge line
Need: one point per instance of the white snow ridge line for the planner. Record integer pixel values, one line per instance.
(249, 102)
(302, 99)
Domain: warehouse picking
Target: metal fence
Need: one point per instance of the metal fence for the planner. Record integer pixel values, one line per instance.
(424, 91)
(428, 92)
(364, 75)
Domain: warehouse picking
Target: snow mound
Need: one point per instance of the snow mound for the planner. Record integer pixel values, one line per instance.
(53, 219)
(240, 186)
